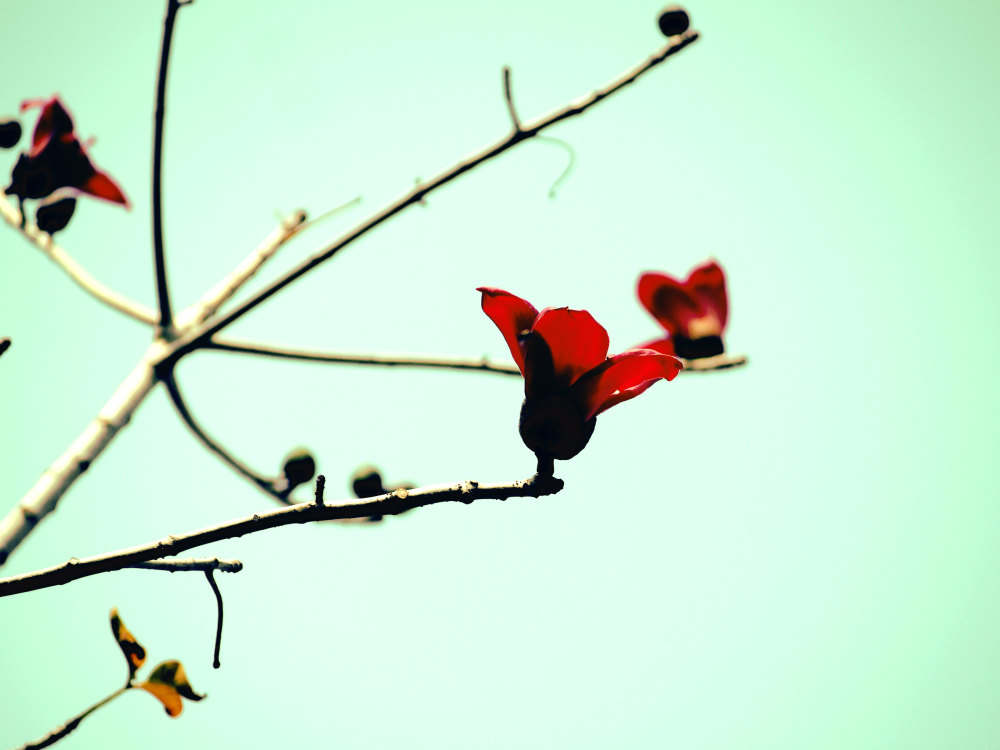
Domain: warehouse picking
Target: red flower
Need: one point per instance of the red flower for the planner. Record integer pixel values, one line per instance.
(693, 311)
(568, 377)
(57, 159)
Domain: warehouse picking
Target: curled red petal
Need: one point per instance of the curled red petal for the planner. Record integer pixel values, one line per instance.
(54, 122)
(100, 185)
(578, 343)
(707, 284)
(669, 301)
(622, 377)
(511, 314)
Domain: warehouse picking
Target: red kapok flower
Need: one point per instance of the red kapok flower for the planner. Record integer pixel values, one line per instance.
(57, 159)
(693, 312)
(568, 377)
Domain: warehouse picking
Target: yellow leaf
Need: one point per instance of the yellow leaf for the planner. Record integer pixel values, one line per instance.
(135, 654)
(168, 683)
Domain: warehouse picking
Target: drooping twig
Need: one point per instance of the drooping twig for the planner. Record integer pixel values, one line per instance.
(59, 732)
(159, 258)
(569, 164)
(508, 97)
(209, 575)
(178, 566)
(74, 270)
(177, 399)
(390, 503)
(417, 193)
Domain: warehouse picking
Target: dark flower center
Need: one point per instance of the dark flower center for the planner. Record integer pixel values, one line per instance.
(553, 425)
(706, 346)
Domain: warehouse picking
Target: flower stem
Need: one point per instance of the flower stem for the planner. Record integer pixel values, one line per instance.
(59, 732)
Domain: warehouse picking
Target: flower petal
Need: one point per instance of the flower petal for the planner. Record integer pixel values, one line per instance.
(100, 185)
(622, 377)
(54, 122)
(578, 343)
(663, 346)
(668, 300)
(707, 284)
(512, 316)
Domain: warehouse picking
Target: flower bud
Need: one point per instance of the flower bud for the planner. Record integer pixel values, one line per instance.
(367, 482)
(10, 133)
(554, 425)
(53, 216)
(299, 467)
(674, 20)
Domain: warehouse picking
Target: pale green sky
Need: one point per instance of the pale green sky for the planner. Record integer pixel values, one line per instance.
(800, 554)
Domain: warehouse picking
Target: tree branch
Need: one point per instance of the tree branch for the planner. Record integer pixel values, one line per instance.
(390, 503)
(218, 621)
(261, 482)
(219, 294)
(74, 270)
(508, 97)
(418, 192)
(159, 259)
(59, 732)
(176, 566)
(484, 364)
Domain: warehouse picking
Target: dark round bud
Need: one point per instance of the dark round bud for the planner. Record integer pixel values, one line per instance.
(10, 133)
(367, 482)
(554, 426)
(299, 467)
(4, 345)
(54, 216)
(674, 20)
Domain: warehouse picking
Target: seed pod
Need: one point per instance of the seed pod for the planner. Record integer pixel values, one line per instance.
(53, 216)
(674, 20)
(10, 133)
(299, 467)
(367, 482)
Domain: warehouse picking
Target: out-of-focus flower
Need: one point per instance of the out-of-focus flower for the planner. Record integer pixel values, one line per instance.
(57, 159)
(694, 311)
(568, 377)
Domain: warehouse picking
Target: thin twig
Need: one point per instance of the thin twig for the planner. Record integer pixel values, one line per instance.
(59, 732)
(417, 193)
(266, 484)
(264, 350)
(159, 258)
(219, 294)
(74, 270)
(178, 566)
(508, 97)
(569, 164)
(209, 575)
(391, 503)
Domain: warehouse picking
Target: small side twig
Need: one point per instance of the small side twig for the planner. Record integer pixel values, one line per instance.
(569, 164)
(390, 503)
(508, 97)
(320, 489)
(209, 575)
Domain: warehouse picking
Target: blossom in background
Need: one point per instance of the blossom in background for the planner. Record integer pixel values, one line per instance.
(568, 377)
(57, 159)
(693, 312)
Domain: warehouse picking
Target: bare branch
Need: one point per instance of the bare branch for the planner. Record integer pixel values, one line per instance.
(59, 732)
(74, 270)
(42, 498)
(417, 193)
(159, 259)
(390, 503)
(266, 484)
(176, 566)
(219, 294)
(483, 365)
(508, 97)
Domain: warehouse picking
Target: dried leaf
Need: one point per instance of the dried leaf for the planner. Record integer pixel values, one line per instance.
(134, 653)
(168, 683)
